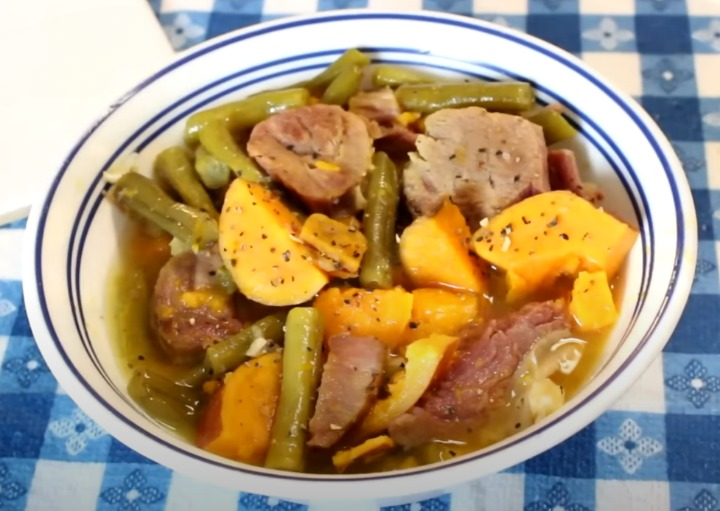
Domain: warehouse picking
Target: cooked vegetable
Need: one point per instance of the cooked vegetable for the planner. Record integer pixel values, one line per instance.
(257, 244)
(141, 195)
(434, 252)
(174, 166)
(162, 399)
(231, 352)
(387, 75)
(343, 86)
(302, 365)
(592, 304)
(555, 127)
(212, 172)
(350, 58)
(424, 356)
(372, 446)
(441, 312)
(379, 221)
(217, 139)
(552, 234)
(510, 97)
(382, 313)
(341, 244)
(249, 397)
(246, 113)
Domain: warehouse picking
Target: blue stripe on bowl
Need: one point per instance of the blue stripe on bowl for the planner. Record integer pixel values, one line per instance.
(571, 63)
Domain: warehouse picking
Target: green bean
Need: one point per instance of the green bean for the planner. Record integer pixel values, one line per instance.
(141, 195)
(393, 76)
(302, 360)
(212, 172)
(509, 97)
(133, 313)
(246, 113)
(343, 87)
(555, 127)
(174, 166)
(217, 139)
(231, 352)
(350, 58)
(163, 399)
(379, 223)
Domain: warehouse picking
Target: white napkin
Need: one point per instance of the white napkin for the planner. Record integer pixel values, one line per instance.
(62, 63)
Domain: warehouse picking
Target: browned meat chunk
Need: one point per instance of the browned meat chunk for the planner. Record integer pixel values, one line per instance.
(350, 380)
(483, 161)
(319, 152)
(380, 110)
(564, 175)
(378, 105)
(188, 312)
(480, 375)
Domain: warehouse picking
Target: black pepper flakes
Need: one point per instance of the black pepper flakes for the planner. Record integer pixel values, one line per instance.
(553, 222)
(233, 262)
(525, 220)
(286, 256)
(413, 325)
(263, 236)
(273, 250)
(564, 236)
(452, 156)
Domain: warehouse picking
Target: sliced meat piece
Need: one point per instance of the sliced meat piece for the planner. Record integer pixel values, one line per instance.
(380, 106)
(381, 110)
(565, 175)
(188, 313)
(481, 374)
(350, 382)
(319, 151)
(396, 140)
(483, 161)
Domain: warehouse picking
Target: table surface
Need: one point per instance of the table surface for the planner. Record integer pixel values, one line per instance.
(657, 448)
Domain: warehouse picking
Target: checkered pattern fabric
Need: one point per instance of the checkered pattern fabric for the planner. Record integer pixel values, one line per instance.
(657, 448)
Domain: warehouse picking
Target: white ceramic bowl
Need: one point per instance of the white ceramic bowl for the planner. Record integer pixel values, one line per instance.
(72, 241)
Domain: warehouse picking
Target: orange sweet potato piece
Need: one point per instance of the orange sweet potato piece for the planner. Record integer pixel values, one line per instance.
(238, 419)
(382, 313)
(258, 245)
(441, 312)
(435, 252)
(550, 234)
(592, 306)
(339, 246)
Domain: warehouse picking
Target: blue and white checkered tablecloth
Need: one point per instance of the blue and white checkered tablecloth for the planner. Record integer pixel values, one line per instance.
(658, 447)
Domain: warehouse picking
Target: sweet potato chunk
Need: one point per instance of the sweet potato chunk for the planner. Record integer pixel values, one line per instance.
(257, 245)
(549, 235)
(592, 306)
(382, 313)
(435, 253)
